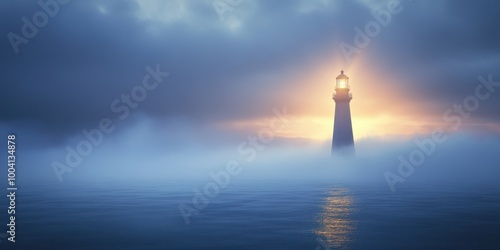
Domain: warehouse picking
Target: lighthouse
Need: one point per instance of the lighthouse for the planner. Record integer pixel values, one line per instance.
(343, 141)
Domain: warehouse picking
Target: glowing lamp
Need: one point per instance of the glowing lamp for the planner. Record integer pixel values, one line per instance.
(342, 81)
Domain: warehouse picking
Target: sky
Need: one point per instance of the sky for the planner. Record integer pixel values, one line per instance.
(231, 65)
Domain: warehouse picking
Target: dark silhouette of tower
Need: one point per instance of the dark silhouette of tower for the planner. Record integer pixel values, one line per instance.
(342, 142)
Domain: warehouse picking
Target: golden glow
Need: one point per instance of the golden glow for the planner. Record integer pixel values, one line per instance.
(342, 84)
(379, 107)
(335, 226)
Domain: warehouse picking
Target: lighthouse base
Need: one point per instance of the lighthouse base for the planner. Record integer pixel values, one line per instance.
(343, 141)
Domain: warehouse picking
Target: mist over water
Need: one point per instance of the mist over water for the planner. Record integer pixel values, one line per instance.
(148, 152)
(136, 190)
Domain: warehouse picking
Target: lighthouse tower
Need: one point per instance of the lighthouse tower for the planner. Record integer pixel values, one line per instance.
(343, 142)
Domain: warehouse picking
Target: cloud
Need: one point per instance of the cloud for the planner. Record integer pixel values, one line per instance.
(66, 77)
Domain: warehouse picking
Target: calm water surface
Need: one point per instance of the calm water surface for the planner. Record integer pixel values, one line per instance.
(257, 215)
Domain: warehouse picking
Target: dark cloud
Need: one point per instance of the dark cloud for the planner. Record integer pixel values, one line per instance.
(440, 48)
(67, 76)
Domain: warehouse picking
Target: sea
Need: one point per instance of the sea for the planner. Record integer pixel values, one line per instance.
(270, 214)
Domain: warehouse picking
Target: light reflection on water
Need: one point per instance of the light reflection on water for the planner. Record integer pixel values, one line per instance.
(335, 226)
(258, 216)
